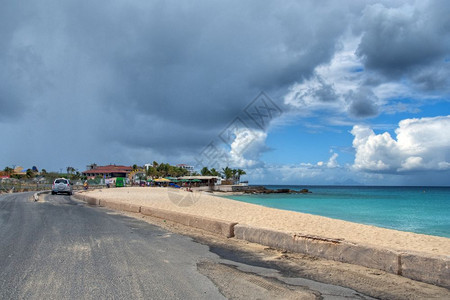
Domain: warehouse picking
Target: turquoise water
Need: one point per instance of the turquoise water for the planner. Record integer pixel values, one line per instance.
(416, 209)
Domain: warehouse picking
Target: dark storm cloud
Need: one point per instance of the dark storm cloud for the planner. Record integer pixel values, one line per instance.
(155, 75)
(399, 40)
(436, 78)
(362, 103)
(14, 68)
(326, 92)
(193, 67)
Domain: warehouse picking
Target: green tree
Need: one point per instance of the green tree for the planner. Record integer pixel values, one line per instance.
(8, 170)
(205, 171)
(227, 172)
(176, 171)
(44, 172)
(184, 172)
(234, 175)
(239, 173)
(152, 172)
(214, 172)
(163, 169)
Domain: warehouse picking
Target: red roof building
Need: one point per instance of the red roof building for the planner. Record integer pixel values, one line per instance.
(108, 171)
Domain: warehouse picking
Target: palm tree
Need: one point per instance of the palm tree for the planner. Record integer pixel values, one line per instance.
(239, 173)
(227, 172)
(234, 173)
(214, 172)
(205, 172)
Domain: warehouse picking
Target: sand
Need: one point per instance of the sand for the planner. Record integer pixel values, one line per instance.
(207, 205)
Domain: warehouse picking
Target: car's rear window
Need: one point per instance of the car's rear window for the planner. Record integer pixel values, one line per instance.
(61, 181)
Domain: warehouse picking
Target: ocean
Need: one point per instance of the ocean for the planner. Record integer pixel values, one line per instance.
(423, 210)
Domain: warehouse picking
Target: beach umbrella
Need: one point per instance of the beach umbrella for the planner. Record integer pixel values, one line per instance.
(162, 180)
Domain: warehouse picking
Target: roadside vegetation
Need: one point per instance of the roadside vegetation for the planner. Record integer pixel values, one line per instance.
(33, 180)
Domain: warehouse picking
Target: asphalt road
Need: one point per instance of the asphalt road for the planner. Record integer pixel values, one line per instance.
(63, 249)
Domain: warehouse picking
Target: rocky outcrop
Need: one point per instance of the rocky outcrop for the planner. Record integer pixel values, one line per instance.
(264, 190)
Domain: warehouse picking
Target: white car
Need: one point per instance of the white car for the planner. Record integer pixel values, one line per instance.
(62, 185)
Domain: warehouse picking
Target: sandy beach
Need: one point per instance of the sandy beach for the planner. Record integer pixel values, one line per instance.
(207, 205)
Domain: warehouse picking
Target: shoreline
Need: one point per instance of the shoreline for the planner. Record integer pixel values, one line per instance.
(417, 210)
(213, 205)
(230, 194)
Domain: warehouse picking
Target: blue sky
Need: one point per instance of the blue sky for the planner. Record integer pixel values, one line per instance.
(297, 143)
(358, 91)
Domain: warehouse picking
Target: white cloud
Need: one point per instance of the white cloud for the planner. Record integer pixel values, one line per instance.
(421, 144)
(412, 163)
(332, 162)
(443, 165)
(331, 81)
(247, 147)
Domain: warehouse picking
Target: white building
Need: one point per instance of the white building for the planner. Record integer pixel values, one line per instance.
(190, 169)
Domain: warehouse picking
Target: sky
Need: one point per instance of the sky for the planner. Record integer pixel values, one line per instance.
(293, 92)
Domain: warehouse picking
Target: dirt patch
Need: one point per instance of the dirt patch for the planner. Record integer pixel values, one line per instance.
(236, 284)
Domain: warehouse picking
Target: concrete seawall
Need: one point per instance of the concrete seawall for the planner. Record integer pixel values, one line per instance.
(212, 225)
(417, 266)
(434, 269)
(120, 206)
(426, 268)
(370, 257)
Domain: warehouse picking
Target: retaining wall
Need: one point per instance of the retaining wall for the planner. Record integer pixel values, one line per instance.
(417, 266)
(221, 227)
